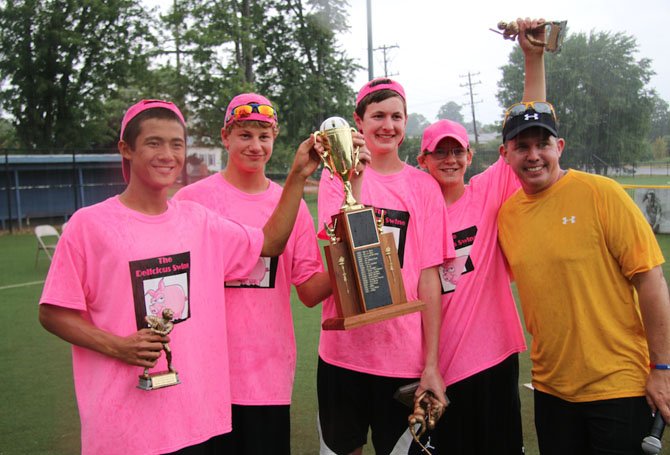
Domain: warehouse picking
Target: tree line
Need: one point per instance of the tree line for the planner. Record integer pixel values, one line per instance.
(68, 68)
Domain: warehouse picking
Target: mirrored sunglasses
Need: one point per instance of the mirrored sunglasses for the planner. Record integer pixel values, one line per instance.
(245, 110)
(541, 107)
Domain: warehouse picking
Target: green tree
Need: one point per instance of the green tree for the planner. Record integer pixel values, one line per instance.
(416, 123)
(409, 150)
(284, 49)
(7, 134)
(660, 147)
(601, 97)
(62, 61)
(660, 118)
(451, 111)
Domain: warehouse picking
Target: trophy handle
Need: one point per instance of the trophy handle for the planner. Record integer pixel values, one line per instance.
(355, 157)
(324, 156)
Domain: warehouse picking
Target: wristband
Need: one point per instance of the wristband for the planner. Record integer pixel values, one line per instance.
(659, 366)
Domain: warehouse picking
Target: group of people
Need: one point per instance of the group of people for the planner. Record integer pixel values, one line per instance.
(223, 253)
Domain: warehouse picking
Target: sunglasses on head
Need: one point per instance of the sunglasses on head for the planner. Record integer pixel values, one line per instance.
(245, 110)
(541, 107)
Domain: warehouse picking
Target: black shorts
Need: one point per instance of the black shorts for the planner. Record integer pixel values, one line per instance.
(350, 402)
(218, 444)
(483, 416)
(603, 427)
(261, 430)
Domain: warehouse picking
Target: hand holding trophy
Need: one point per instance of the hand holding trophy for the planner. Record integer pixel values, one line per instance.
(362, 260)
(549, 34)
(162, 325)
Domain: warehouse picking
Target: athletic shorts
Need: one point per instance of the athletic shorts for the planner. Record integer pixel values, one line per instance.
(218, 444)
(483, 416)
(261, 430)
(615, 426)
(351, 402)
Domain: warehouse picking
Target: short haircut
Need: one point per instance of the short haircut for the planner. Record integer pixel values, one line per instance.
(378, 97)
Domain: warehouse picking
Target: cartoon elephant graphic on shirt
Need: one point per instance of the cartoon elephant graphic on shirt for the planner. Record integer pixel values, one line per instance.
(171, 296)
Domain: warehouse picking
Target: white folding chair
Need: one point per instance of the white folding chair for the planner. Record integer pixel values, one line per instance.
(47, 238)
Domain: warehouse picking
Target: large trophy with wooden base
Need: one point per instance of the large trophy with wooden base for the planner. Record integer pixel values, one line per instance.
(362, 260)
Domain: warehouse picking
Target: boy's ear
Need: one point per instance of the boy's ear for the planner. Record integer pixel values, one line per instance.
(421, 159)
(124, 149)
(224, 137)
(359, 123)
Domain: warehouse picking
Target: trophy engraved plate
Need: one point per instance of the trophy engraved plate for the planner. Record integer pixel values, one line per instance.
(363, 228)
(159, 380)
(362, 260)
(374, 284)
(162, 325)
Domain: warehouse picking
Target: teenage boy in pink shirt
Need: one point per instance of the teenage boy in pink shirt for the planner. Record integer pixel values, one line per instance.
(360, 369)
(262, 366)
(481, 332)
(130, 257)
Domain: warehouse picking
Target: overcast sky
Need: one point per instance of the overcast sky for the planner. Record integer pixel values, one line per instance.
(439, 41)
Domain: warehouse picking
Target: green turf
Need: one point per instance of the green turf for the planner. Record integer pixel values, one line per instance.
(39, 414)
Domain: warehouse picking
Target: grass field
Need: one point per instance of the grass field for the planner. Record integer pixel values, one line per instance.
(39, 414)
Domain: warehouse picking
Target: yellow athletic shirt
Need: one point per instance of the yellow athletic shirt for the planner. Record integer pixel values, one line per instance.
(572, 249)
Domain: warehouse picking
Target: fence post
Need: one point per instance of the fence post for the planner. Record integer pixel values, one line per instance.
(8, 188)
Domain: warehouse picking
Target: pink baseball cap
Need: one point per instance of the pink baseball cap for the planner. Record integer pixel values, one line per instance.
(443, 129)
(257, 106)
(133, 111)
(370, 87)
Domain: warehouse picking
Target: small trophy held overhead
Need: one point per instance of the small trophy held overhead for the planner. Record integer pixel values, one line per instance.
(554, 31)
(362, 260)
(160, 325)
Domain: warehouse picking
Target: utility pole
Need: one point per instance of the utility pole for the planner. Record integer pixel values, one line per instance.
(384, 49)
(371, 70)
(469, 84)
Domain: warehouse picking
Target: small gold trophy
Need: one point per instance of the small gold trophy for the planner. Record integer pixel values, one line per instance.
(161, 326)
(554, 31)
(362, 260)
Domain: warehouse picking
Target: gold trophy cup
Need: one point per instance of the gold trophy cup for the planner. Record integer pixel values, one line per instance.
(362, 260)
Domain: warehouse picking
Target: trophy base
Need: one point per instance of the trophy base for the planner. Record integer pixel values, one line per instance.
(376, 315)
(159, 380)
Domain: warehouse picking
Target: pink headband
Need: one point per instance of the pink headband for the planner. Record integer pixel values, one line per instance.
(133, 111)
(144, 105)
(250, 98)
(369, 88)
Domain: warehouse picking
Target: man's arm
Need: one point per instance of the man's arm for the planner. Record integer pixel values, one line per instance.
(652, 291)
(315, 290)
(280, 224)
(142, 348)
(431, 317)
(534, 88)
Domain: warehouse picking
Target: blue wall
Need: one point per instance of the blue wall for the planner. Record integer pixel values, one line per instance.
(55, 185)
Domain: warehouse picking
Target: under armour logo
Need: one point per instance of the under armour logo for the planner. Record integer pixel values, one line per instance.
(428, 445)
(534, 116)
(571, 219)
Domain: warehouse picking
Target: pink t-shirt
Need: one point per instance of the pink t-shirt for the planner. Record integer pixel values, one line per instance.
(116, 265)
(260, 325)
(480, 323)
(416, 215)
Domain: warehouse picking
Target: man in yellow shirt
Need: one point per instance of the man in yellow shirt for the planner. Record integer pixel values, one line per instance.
(594, 298)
